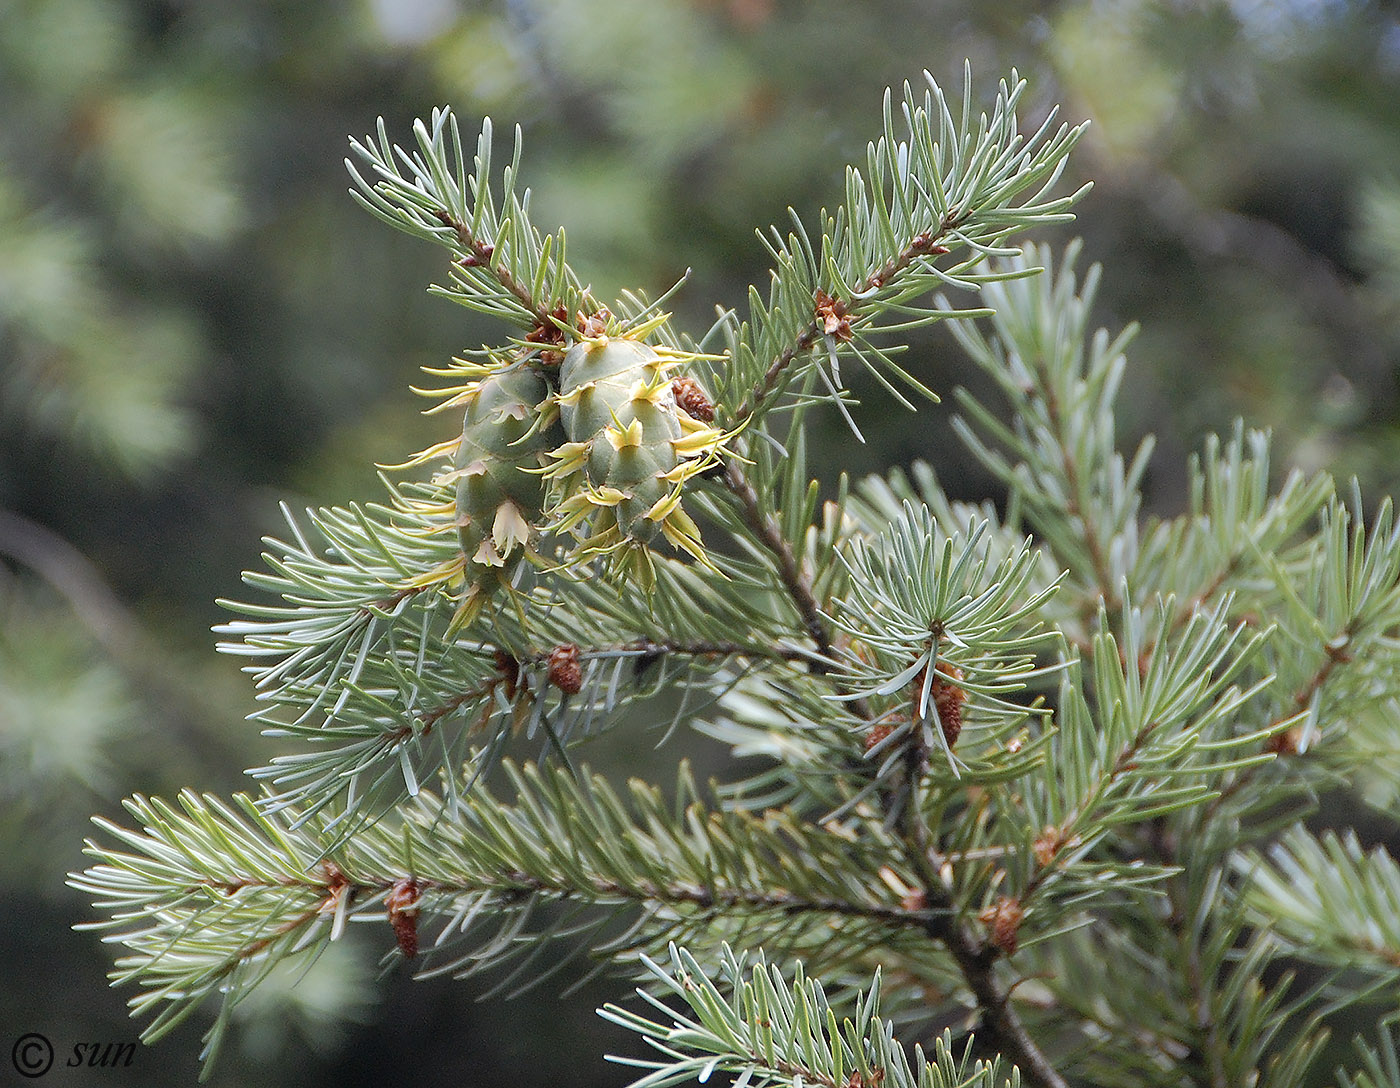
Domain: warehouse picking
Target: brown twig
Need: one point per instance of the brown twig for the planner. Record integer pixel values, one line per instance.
(770, 534)
(479, 254)
(926, 243)
(514, 883)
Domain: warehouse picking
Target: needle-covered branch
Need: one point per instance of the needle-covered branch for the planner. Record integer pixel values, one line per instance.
(936, 183)
(503, 266)
(767, 1031)
(208, 896)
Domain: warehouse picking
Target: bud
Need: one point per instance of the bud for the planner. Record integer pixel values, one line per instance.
(508, 669)
(1284, 744)
(402, 904)
(564, 670)
(1003, 922)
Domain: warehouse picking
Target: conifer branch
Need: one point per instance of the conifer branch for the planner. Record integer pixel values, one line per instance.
(1209, 1046)
(1059, 457)
(938, 185)
(503, 265)
(976, 960)
(478, 254)
(1007, 1031)
(836, 319)
(208, 896)
(769, 1031)
(1331, 900)
(976, 727)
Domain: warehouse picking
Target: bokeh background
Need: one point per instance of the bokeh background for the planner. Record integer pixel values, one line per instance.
(197, 323)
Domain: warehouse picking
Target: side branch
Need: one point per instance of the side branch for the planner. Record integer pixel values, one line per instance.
(999, 1021)
(1286, 743)
(798, 586)
(513, 884)
(921, 245)
(976, 960)
(651, 649)
(646, 652)
(1075, 489)
(478, 254)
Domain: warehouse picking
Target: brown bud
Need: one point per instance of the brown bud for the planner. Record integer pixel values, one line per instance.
(509, 668)
(832, 314)
(1003, 921)
(915, 900)
(877, 734)
(1047, 844)
(692, 399)
(338, 886)
(1285, 743)
(476, 259)
(402, 904)
(947, 700)
(565, 672)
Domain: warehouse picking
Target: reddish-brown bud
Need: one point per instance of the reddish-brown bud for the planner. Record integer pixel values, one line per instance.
(1003, 922)
(1285, 743)
(877, 734)
(692, 399)
(509, 668)
(401, 902)
(1047, 844)
(565, 673)
(480, 256)
(834, 318)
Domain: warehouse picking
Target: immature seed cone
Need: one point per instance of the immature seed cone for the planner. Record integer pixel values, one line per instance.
(500, 496)
(630, 449)
(497, 500)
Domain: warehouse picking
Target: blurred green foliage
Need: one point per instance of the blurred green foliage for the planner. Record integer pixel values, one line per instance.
(196, 322)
